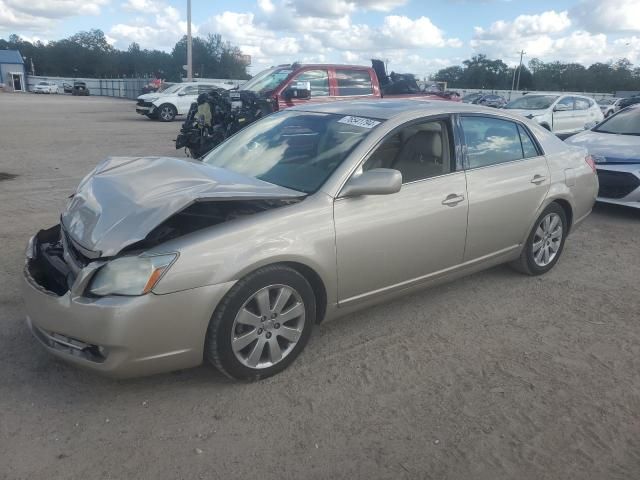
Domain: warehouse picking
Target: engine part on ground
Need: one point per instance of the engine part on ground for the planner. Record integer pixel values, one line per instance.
(217, 115)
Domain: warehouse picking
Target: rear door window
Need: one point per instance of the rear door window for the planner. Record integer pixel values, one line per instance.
(491, 141)
(582, 103)
(529, 148)
(567, 102)
(353, 82)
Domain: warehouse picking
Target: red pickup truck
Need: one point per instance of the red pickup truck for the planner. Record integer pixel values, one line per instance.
(221, 113)
(285, 84)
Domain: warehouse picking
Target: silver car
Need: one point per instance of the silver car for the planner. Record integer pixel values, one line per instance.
(305, 216)
(615, 147)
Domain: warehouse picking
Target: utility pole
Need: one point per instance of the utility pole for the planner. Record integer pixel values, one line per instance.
(189, 44)
(513, 79)
(522, 52)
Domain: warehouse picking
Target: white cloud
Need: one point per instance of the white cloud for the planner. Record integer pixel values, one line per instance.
(335, 8)
(608, 15)
(144, 6)
(266, 6)
(525, 26)
(50, 9)
(165, 29)
(12, 19)
(405, 32)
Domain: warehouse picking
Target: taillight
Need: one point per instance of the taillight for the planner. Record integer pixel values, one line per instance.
(590, 162)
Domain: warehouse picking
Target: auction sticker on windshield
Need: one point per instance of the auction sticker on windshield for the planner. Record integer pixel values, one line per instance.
(359, 121)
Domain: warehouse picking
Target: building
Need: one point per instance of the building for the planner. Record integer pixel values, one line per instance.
(12, 71)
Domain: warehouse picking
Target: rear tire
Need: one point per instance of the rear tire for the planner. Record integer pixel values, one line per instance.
(166, 112)
(262, 324)
(545, 243)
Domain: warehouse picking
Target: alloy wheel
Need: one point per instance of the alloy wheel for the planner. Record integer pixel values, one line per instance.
(166, 113)
(268, 326)
(547, 239)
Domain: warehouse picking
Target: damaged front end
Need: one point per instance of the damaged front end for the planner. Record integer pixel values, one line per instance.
(217, 115)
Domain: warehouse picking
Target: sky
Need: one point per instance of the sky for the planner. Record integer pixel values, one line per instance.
(416, 36)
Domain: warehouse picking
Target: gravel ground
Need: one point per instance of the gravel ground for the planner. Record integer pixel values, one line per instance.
(496, 376)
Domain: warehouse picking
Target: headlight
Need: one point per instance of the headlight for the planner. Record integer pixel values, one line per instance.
(131, 275)
(599, 159)
(152, 99)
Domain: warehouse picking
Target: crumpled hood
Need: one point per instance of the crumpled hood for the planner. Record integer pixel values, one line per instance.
(124, 198)
(612, 148)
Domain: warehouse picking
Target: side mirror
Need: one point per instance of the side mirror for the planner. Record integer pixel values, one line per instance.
(300, 90)
(561, 107)
(378, 181)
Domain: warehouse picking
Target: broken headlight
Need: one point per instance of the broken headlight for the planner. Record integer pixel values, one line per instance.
(131, 275)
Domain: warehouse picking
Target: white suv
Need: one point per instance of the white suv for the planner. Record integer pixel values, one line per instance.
(561, 114)
(173, 101)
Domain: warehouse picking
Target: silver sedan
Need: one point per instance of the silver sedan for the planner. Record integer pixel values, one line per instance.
(305, 216)
(615, 147)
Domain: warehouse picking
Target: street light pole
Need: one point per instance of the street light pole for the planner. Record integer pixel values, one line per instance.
(189, 44)
(522, 52)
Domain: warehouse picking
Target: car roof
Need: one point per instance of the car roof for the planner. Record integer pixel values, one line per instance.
(385, 109)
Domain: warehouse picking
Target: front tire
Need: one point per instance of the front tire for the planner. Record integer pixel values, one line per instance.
(166, 112)
(545, 242)
(262, 324)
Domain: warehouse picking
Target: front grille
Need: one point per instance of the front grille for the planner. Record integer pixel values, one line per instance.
(142, 103)
(615, 184)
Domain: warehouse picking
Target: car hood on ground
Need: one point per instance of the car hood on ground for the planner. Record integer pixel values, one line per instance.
(611, 147)
(125, 198)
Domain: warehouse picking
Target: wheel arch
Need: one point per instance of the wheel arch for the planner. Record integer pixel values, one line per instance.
(317, 282)
(568, 210)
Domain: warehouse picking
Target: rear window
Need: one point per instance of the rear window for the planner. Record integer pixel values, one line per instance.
(491, 141)
(353, 82)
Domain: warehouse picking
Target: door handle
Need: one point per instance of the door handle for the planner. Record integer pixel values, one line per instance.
(452, 200)
(538, 179)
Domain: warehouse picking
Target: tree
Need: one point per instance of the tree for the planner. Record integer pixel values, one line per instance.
(483, 73)
(89, 54)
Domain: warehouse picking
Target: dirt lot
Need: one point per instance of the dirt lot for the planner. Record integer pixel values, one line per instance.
(497, 376)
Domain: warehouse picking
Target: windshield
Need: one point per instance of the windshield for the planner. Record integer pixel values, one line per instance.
(43, 83)
(173, 88)
(532, 102)
(626, 122)
(297, 150)
(267, 80)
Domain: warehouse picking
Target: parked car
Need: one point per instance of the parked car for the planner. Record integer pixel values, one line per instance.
(67, 87)
(45, 87)
(175, 100)
(628, 101)
(80, 89)
(609, 106)
(615, 147)
(471, 98)
(560, 114)
(488, 100)
(306, 215)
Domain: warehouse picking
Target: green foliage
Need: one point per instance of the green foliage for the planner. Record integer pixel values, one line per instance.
(483, 73)
(88, 54)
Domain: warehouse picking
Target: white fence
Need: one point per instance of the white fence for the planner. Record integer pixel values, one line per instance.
(509, 95)
(116, 87)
